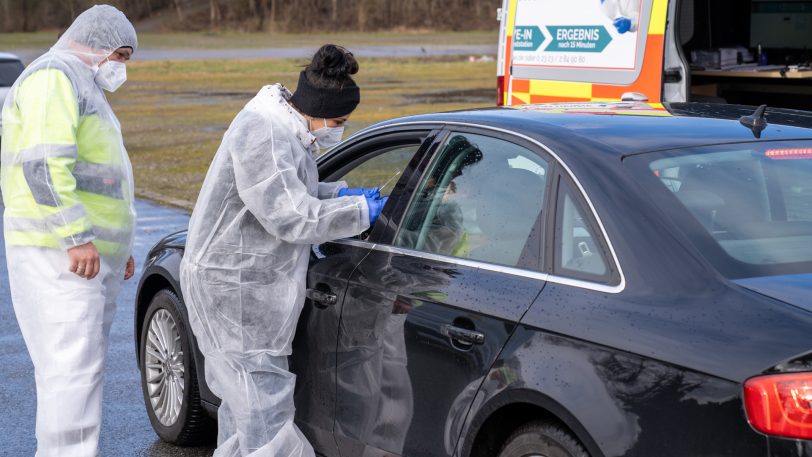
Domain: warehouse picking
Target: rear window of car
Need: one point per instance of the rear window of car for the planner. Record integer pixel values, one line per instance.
(747, 207)
(9, 71)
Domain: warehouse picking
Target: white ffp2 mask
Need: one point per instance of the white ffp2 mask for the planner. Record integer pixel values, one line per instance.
(111, 75)
(328, 136)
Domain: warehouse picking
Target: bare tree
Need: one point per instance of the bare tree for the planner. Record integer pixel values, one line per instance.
(179, 9)
(5, 5)
(291, 15)
(214, 13)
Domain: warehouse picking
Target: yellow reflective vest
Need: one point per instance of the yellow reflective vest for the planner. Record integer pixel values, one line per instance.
(64, 180)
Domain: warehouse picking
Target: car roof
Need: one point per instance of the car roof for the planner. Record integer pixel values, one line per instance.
(626, 128)
(8, 56)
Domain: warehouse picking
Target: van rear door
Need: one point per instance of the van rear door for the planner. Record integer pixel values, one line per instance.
(582, 50)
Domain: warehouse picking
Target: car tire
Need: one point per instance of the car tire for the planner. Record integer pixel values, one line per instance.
(168, 376)
(542, 439)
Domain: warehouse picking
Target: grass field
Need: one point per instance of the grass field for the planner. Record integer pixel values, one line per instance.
(227, 40)
(175, 113)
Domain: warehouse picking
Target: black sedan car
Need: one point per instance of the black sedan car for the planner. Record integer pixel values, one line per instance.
(557, 280)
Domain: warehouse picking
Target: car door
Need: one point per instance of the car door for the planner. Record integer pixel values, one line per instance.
(377, 161)
(427, 311)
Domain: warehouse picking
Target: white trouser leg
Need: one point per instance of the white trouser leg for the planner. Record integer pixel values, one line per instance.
(65, 321)
(257, 393)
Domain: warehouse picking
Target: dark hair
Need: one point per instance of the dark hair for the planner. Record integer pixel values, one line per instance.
(325, 87)
(331, 67)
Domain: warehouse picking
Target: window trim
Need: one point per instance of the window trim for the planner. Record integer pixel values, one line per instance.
(563, 187)
(556, 162)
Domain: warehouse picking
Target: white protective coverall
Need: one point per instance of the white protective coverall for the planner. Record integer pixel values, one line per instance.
(629, 9)
(66, 180)
(244, 270)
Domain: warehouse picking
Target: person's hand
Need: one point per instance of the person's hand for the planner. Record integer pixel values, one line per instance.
(622, 24)
(84, 260)
(369, 192)
(129, 270)
(375, 207)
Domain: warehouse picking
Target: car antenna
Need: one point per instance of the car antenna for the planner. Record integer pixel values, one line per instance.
(756, 121)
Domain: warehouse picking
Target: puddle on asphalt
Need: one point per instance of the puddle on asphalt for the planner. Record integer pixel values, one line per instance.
(214, 128)
(183, 97)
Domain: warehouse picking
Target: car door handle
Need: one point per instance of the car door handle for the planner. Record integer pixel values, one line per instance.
(462, 335)
(321, 298)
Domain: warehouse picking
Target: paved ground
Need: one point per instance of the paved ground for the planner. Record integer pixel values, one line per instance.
(125, 430)
(289, 53)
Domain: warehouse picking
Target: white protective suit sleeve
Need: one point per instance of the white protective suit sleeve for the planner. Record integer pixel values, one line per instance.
(330, 189)
(265, 172)
(629, 9)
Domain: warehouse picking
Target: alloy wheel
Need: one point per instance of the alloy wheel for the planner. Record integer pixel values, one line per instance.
(163, 362)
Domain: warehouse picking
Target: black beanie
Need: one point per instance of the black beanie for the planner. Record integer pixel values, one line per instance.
(325, 103)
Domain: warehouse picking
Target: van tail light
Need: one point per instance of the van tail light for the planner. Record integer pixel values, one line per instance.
(789, 154)
(500, 91)
(780, 405)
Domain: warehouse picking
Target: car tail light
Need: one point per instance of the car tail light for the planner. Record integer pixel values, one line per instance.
(500, 91)
(789, 154)
(780, 405)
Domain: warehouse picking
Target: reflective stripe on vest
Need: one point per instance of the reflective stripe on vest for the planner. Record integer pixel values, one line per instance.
(36, 172)
(99, 179)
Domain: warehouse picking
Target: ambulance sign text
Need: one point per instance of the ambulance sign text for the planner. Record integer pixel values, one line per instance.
(578, 38)
(527, 38)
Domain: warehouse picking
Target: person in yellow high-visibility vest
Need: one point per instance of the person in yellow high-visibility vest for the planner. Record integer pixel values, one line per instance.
(68, 222)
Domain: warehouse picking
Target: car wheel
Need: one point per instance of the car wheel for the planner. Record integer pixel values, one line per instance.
(168, 376)
(542, 439)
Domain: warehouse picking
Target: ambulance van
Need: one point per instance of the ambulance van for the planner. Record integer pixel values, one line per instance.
(722, 51)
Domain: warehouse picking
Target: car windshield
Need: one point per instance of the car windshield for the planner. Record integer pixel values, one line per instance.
(9, 71)
(749, 206)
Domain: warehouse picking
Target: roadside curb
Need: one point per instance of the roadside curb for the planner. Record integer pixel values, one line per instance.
(164, 200)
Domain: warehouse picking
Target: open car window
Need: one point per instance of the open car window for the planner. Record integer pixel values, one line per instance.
(383, 169)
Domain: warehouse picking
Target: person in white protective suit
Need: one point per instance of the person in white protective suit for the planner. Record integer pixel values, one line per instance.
(625, 14)
(247, 251)
(68, 221)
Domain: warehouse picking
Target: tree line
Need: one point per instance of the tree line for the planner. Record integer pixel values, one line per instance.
(263, 15)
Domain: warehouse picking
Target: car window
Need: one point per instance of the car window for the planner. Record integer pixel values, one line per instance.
(382, 170)
(577, 250)
(481, 199)
(9, 71)
(751, 204)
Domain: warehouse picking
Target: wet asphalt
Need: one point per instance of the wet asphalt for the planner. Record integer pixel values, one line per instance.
(125, 429)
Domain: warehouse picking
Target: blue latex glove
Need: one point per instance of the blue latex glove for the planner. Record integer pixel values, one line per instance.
(369, 192)
(623, 24)
(375, 205)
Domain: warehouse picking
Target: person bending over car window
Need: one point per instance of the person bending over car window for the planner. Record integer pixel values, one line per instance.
(243, 273)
